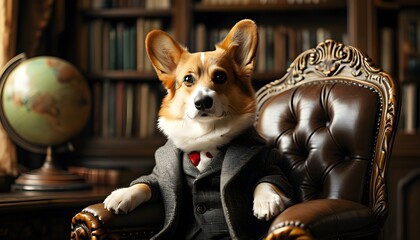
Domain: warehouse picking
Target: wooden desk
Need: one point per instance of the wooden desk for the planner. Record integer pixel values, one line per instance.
(43, 215)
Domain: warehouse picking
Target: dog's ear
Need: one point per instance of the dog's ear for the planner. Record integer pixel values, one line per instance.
(164, 53)
(242, 42)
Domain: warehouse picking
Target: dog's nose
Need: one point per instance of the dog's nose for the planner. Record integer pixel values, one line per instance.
(203, 103)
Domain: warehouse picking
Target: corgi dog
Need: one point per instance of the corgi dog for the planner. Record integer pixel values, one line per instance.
(209, 102)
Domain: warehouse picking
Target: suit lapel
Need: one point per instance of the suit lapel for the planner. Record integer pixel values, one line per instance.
(171, 157)
(170, 161)
(238, 154)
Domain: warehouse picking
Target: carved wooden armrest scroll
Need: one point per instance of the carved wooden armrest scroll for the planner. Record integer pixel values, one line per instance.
(290, 231)
(86, 226)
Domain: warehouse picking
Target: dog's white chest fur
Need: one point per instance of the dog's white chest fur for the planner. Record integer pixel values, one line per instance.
(190, 135)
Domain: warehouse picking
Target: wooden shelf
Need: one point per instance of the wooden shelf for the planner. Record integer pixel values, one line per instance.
(119, 147)
(126, 13)
(277, 7)
(151, 76)
(122, 75)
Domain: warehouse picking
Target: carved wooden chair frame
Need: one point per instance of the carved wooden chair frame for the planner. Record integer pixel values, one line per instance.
(340, 62)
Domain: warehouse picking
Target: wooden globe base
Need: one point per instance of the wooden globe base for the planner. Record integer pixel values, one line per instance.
(49, 178)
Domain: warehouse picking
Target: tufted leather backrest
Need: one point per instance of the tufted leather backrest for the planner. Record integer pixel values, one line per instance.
(333, 118)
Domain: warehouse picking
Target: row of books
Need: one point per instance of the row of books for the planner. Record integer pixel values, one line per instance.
(278, 44)
(119, 45)
(125, 109)
(108, 177)
(146, 4)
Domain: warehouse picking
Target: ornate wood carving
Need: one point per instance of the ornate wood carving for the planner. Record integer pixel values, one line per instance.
(289, 232)
(86, 226)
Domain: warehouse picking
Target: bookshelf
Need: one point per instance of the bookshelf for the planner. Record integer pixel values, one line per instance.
(397, 29)
(292, 26)
(110, 52)
(287, 27)
(109, 49)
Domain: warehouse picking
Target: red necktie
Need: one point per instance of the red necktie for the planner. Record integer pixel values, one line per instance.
(194, 156)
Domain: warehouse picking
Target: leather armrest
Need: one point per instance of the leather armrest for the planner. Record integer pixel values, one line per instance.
(96, 222)
(324, 219)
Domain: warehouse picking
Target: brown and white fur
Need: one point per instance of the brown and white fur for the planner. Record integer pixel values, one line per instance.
(209, 101)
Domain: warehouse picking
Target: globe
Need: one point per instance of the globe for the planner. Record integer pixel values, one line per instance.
(45, 102)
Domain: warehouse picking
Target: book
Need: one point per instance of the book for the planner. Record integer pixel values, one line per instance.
(140, 41)
(261, 51)
(105, 36)
(291, 45)
(112, 110)
(387, 48)
(95, 45)
(112, 42)
(410, 105)
(129, 47)
(119, 54)
(97, 108)
(200, 38)
(83, 44)
(126, 48)
(143, 103)
(105, 108)
(269, 49)
(120, 109)
(280, 47)
(129, 110)
(153, 112)
(306, 39)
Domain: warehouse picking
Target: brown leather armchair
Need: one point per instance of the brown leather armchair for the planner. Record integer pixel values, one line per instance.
(333, 116)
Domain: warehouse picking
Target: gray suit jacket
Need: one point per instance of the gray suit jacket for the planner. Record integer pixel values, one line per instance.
(248, 161)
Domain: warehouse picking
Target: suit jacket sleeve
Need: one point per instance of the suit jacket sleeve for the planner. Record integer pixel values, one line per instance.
(151, 181)
(274, 173)
(164, 156)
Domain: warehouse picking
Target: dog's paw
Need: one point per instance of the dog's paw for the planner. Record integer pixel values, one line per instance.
(125, 200)
(268, 201)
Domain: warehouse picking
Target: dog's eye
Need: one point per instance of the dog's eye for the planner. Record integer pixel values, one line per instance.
(189, 80)
(219, 77)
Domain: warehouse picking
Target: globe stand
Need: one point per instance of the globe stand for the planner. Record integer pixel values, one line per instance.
(49, 178)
